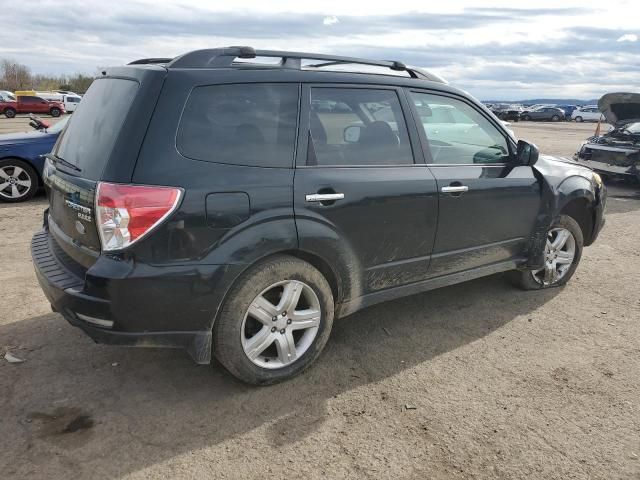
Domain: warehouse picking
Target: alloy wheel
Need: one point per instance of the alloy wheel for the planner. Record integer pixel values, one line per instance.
(15, 182)
(281, 324)
(559, 252)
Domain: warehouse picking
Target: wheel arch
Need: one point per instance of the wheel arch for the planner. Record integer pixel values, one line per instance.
(581, 210)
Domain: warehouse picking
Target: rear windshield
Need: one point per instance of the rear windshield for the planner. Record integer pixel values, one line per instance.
(243, 124)
(94, 126)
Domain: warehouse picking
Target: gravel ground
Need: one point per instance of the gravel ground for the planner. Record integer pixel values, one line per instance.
(478, 380)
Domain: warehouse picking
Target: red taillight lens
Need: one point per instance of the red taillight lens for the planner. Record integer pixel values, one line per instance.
(125, 213)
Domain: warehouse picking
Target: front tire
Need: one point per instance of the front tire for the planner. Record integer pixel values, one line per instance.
(275, 321)
(579, 119)
(555, 118)
(9, 113)
(563, 251)
(526, 118)
(55, 112)
(18, 180)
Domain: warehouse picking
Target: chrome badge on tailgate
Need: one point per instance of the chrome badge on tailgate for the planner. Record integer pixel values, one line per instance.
(84, 213)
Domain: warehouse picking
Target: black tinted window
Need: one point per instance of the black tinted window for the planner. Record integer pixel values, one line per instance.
(357, 126)
(94, 127)
(248, 124)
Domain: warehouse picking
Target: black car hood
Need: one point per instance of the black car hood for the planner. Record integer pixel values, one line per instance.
(620, 108)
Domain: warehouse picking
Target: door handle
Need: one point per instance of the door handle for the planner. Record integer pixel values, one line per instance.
(455, 189)
(324, 197)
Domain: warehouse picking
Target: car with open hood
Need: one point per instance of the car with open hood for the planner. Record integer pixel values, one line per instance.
(616, 152)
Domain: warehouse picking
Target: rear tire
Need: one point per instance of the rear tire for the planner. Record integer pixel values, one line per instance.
(256, 339)
(55, 112)
(579, 119)
(9, 112)
(573, 245)
(18, 180)
(526, 118)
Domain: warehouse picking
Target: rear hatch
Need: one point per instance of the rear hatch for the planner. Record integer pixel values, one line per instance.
(100, 143)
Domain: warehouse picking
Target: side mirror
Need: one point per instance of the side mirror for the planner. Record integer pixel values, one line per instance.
(352, 134)
(527, 153)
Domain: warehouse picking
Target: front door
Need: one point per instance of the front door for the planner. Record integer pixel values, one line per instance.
(488, 205)
(362, 186)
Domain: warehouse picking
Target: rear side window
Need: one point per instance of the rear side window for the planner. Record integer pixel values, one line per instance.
(95, 125)
(357, 126)
(243, 124)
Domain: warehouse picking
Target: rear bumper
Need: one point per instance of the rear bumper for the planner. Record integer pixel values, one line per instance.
(120, 303)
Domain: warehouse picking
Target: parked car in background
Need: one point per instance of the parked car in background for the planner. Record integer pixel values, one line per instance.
(22, 159)
(31, 104)
(538, 106)
(255, 205)
(6, 96)
(71, 102)
(567, 109)
(553, 114)
(616, 152)
(507, 112)
(589, 113)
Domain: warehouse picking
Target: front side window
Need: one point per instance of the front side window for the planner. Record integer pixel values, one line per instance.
(242, 124)
(357, 126)
(457, 133)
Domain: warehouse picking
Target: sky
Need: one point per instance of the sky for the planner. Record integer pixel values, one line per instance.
(493, 49)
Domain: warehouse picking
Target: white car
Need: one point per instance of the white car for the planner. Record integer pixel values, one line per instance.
(71, 102)
(5, 96)
(590, 113)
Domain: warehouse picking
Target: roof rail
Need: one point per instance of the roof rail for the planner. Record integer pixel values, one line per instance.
(147, 61)
(226, 57)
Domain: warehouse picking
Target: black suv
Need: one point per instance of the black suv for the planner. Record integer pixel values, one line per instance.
(234, 202)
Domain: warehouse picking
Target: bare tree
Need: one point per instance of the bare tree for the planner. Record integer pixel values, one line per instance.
(14, 76)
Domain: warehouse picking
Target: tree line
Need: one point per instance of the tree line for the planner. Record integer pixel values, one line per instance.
(15, 76)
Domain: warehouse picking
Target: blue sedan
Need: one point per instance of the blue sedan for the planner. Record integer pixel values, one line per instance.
(22, 161)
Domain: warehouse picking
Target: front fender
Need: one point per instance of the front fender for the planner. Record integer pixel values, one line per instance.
(561, 183)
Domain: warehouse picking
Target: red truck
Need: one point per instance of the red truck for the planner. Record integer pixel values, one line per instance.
(31, 104)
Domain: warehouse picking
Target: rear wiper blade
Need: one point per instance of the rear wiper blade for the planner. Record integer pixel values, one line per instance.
(55, 159)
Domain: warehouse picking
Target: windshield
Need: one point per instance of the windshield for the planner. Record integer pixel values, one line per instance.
(57, 128)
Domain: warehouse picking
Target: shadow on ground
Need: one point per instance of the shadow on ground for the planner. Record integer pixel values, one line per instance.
(70, 407)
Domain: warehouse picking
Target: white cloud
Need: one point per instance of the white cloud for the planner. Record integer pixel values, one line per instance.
(628, 37)
(576, 48)
(332, 20)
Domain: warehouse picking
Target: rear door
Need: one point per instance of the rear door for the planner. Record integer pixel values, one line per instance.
(100, 142)
(487, 205)
(361, 183)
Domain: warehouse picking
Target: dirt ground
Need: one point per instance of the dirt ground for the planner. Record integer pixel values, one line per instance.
(478, 380)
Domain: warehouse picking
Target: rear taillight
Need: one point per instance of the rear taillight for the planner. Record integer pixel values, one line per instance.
(126, 213)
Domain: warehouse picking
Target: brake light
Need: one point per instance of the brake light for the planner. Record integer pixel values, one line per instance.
(126, 213)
